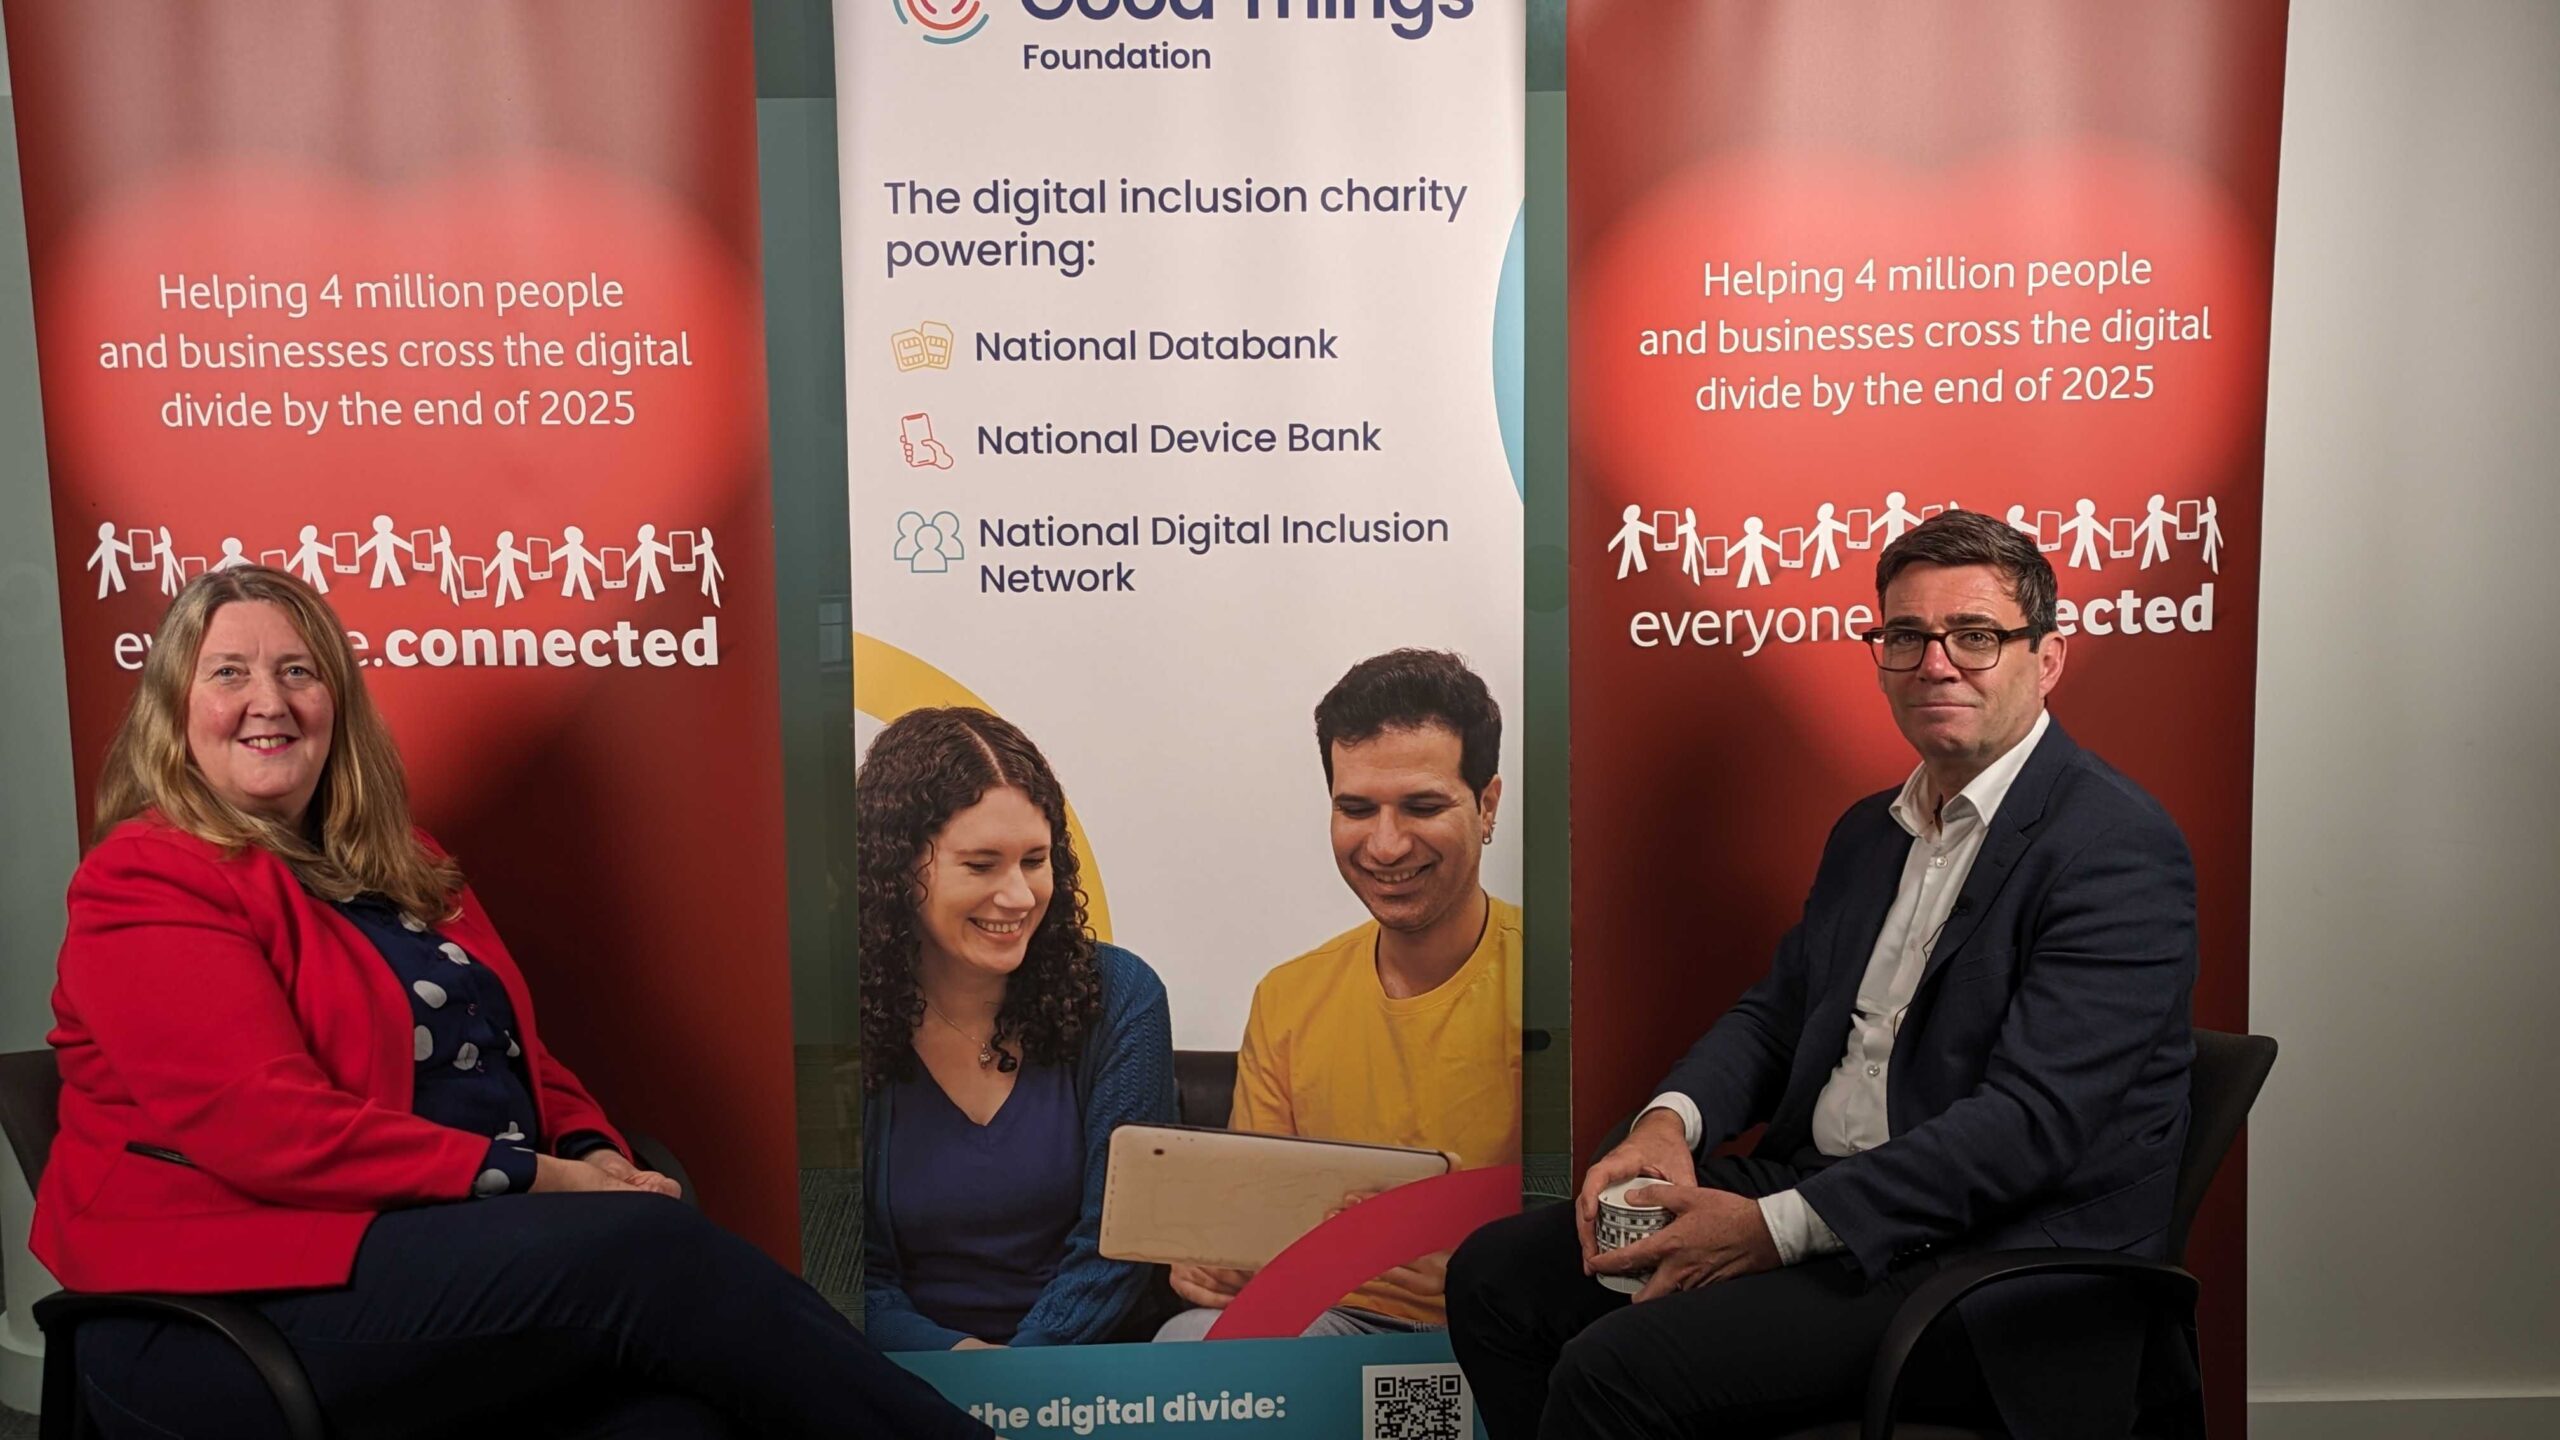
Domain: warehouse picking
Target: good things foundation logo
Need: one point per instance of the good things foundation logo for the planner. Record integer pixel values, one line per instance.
(944, 22)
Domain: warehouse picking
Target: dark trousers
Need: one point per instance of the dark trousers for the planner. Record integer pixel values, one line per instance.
(1552, 1353)
(569, 1315)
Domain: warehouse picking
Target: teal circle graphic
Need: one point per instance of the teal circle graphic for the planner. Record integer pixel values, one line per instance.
(1510, 307)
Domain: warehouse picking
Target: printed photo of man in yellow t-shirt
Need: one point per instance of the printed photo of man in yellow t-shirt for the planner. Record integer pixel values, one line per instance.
(1404, 1030)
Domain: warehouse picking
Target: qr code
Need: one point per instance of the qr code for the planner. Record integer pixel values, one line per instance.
(1415, 1402)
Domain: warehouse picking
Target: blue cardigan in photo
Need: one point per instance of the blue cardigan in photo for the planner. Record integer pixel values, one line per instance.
(1124, 1076)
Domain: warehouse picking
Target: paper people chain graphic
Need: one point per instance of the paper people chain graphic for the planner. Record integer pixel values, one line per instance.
(707, 564)
(383, 556)
(1755, 549)
(503, 583)
(645, 555)
(111, 549)
(1827, 528)
(306, 560)
(1893, 521)
(1693, 556)
(386, 565)
(448, 568)
(164, 556)
(573, 560)
(1751, 556)
(1630, 552)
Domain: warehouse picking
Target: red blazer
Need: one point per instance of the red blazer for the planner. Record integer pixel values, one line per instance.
(208, 1008)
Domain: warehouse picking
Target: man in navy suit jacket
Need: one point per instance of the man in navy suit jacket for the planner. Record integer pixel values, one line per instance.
(1976, 1037)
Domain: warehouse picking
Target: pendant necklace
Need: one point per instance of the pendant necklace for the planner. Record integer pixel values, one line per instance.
(986, 1047)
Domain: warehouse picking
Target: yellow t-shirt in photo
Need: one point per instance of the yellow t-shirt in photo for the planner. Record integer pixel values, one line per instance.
(1328, 1054)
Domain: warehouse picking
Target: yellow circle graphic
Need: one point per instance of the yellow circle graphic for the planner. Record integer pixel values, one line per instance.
(888, 682)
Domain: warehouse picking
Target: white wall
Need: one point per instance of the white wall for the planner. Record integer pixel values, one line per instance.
(38, 820)
(2405, 1162)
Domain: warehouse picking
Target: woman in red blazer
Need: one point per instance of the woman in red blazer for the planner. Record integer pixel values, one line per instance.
(298, 1062)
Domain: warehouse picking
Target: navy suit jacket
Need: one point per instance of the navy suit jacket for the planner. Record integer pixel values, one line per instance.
(2038, 1089)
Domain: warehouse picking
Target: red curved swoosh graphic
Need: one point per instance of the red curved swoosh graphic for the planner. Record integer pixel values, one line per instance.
(1351, 1249)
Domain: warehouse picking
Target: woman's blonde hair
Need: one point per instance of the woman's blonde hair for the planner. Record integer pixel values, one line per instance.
(356, 838)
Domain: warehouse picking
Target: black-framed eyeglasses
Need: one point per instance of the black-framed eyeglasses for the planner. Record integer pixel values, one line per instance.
(1971, 648)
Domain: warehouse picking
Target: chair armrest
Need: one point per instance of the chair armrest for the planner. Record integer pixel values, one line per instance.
(2165, 1283)
(249, 1332)
(650, 1153)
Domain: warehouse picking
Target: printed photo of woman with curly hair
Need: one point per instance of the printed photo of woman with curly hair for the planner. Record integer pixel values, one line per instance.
(1000, 1044)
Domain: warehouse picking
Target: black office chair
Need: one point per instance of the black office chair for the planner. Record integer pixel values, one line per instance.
(1204, 1087)
(30, 1092)
(2229, 1072)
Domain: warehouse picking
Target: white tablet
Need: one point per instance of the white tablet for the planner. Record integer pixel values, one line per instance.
(1179, 1194)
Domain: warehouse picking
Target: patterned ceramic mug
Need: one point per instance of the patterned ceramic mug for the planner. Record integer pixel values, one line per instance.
(1623, 1223)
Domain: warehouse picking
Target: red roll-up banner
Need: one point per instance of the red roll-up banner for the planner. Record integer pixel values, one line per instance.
(453, 309)
(1836, 267)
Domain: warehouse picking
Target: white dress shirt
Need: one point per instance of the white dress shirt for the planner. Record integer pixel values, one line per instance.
(1849, 1114)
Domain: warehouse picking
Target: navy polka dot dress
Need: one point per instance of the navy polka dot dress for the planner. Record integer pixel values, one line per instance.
(471, 1073)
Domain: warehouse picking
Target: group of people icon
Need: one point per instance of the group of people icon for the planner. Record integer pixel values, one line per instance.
(388, 556)
(1815, 548)
(929, 544)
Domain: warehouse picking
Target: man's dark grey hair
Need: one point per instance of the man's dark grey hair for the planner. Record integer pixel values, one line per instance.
(1969, 537)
